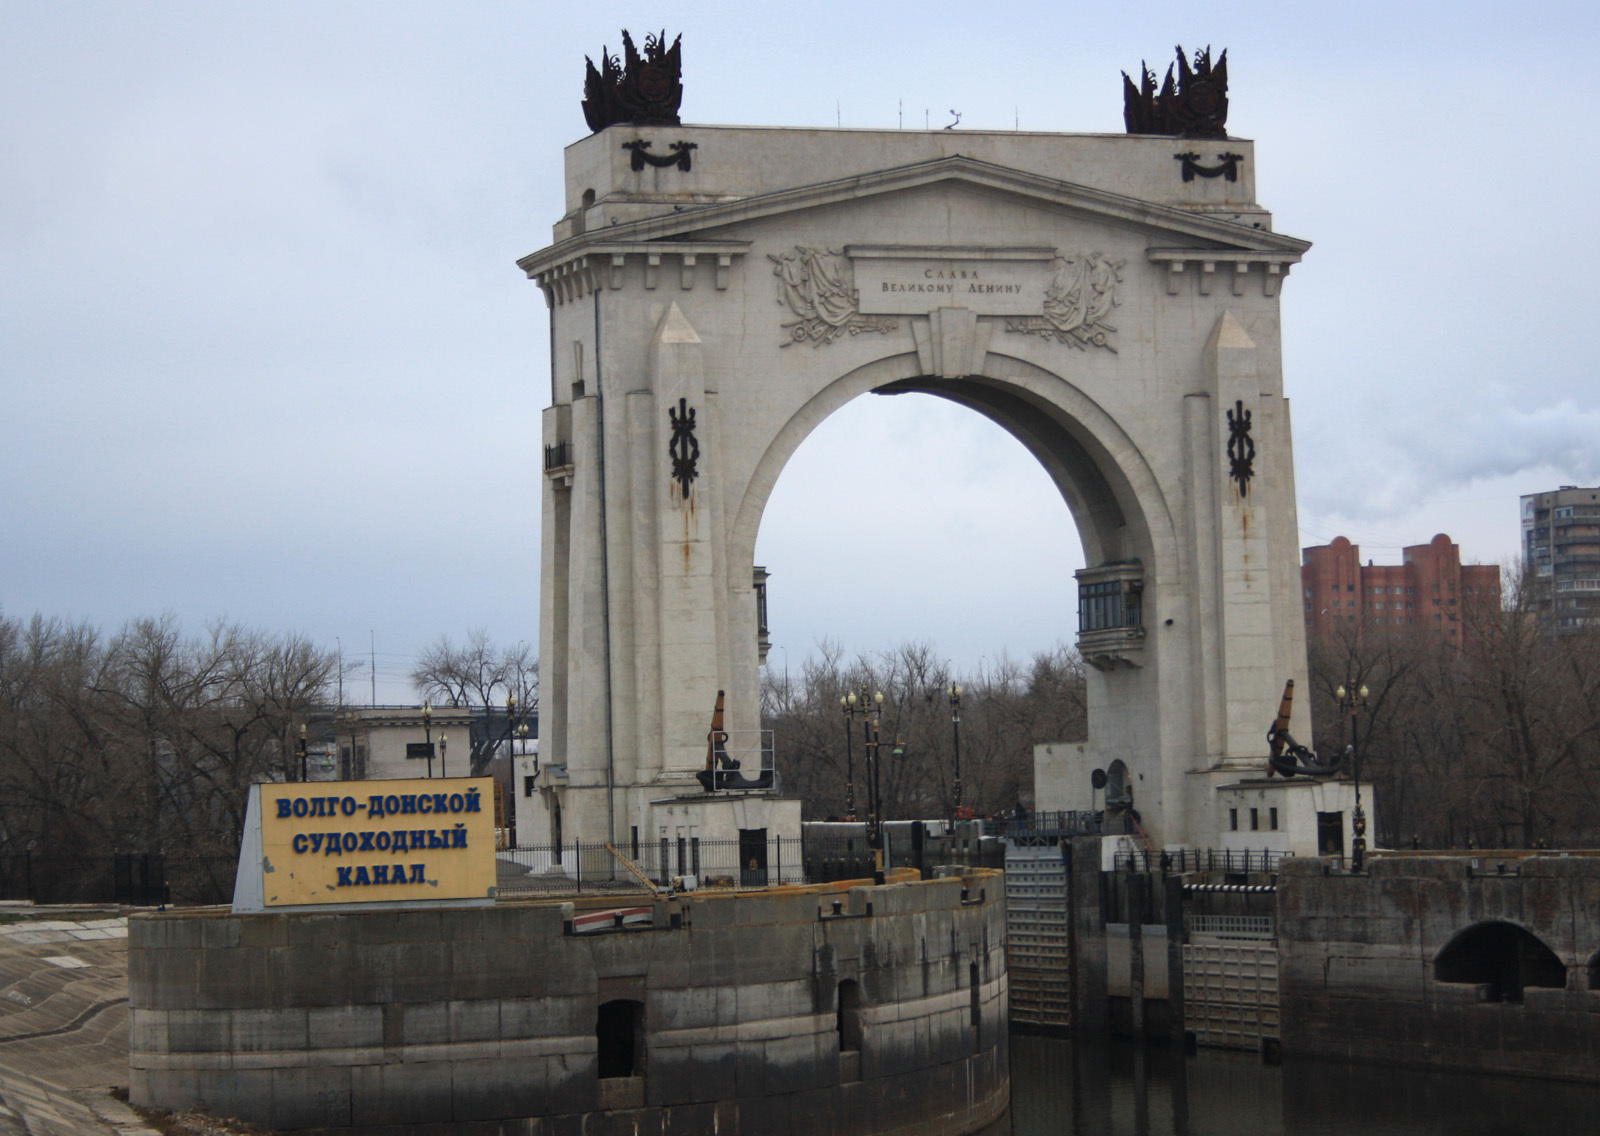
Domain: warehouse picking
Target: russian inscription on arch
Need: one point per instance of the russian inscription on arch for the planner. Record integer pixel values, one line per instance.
(1039, 291)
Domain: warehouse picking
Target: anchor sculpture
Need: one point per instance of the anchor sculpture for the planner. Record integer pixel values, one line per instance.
(1288, 756)
(722, 771)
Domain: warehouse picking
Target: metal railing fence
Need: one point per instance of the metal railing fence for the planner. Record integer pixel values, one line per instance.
(1240, 860)
(133, 879)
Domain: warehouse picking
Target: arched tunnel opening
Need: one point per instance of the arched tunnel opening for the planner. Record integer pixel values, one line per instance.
(1501, 957)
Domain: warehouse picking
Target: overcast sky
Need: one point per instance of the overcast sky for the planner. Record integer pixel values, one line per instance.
(265, 353)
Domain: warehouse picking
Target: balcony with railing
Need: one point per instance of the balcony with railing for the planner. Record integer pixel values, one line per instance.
(1111, 615)
(558, 462)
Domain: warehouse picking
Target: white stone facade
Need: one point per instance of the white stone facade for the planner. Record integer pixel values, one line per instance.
(381, 734)
(1073, 288)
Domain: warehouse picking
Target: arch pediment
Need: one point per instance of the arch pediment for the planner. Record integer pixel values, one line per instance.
(1174, 232)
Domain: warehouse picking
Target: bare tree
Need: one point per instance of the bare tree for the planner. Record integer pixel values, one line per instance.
(1494, 743)
(481, 675)
(477, 673)
(1005, 710)
(1531, 698)
(148, 741)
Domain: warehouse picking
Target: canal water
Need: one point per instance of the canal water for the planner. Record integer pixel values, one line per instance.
(1062, 1088)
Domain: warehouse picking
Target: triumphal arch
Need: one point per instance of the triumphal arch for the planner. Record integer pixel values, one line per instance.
(716, 292)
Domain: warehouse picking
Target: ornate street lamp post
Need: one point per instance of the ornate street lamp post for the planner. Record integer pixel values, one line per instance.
(427, 733)
(1352, 700)
(874, 761)
(847, 703)
(444, 740)
(301, 750)
(955, 729)
(864, 705)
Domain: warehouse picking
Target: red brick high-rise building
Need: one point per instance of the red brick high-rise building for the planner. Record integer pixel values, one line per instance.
(1427, 592)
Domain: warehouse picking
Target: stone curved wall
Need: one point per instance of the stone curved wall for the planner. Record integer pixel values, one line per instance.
(383, 1021)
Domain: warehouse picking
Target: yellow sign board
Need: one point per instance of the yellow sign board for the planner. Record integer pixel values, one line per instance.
(377, 841)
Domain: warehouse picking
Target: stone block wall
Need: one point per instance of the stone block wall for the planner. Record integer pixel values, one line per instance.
(1357, 955)
(388, 1022)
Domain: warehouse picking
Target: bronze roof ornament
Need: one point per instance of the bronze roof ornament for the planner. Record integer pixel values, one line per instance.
(1195, 106)
(644, 90)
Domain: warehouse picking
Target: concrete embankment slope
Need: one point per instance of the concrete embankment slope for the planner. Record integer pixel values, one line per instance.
(63, 1024)
(764, 1012)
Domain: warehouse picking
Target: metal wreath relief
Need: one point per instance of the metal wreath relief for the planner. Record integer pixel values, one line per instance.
(1241, 447)
(1227, 166)
(680, 156)
(683, 448)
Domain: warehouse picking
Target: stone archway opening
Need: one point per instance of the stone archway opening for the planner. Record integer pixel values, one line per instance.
(1125, 328)
(1501, 959)
(911, 520)
(1042, 427)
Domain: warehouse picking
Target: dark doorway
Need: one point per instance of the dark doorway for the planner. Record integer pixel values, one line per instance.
(753, 857)
(849, 1026)
(620, 1033)
(1502, 958)
(976, 1004)
(849, 1016)
(1330, 834)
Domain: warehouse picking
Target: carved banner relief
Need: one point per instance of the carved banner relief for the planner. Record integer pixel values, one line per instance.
(1040, 291)
(819, 288)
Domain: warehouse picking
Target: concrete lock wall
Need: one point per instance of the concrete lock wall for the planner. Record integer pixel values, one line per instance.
(388, 1021)
(1358, 957)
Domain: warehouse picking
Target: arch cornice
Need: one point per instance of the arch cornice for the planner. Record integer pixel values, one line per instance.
(1221, 236)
